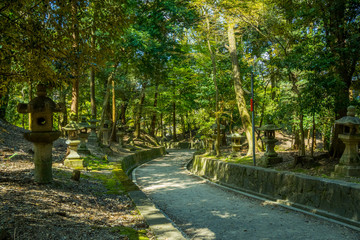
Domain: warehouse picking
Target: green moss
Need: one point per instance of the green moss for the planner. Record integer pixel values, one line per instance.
(131, 233)
(246, 160)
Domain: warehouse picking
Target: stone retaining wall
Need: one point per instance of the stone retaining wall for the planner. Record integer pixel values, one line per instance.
(128, 163)
(331, 198)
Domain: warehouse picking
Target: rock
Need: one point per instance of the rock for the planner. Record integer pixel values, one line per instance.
(76, 175)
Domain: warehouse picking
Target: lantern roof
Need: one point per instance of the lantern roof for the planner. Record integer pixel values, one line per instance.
(350, 119)
(83, 122)
(73, 125)
(269, 127)
(214, 126)
(235, 135)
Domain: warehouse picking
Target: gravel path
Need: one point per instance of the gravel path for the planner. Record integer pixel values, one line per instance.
(206, 211)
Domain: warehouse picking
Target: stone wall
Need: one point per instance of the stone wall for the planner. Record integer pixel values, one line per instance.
(128, 163)
(331, 198)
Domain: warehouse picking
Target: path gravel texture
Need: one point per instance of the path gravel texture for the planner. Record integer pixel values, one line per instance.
(206, 211)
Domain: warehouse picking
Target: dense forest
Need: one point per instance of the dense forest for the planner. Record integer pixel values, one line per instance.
(175, 67)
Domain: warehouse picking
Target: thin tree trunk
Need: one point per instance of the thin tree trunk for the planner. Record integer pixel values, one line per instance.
(30, 98)
(174, 121)
(114, 115)
(313, 142)
(153, 118)
(139, 113)
(239, 92)
(107, 97)
(214, 70)
(123, 108)
(75, 66)
(302, 136)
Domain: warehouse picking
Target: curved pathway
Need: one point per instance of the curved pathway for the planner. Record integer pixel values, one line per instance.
(206, 211)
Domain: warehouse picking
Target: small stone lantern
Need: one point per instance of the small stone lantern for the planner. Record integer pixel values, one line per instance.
(349, 164)
(270, 157)
(41, 110)
(214, 128)
(92, 136)
(209, 140)
(236, 139)
(82, 149)
(120, 134)
(73, 160)
(106, 133)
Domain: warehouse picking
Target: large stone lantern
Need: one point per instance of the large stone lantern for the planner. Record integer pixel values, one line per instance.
(73, 159)
(349, 164)
(41, 110)
(270, 157)
(84, 126)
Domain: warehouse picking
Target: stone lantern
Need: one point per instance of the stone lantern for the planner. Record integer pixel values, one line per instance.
(120, 134)
(84, 126)
(270, 157)
(236, 139)
(349, 164)
(214, 128)
(92, 136)
(209, 140)
(73, 160)
(106, 133)
(41, 110)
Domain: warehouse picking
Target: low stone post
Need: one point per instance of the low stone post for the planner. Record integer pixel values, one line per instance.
(42, 135)
(349, 164)
(82, 149)
(270, 157)
(73, 159)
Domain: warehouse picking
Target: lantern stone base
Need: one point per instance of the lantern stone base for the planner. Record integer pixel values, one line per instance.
(347, 171)
(73, 160)
(267, 161)
(74, 163)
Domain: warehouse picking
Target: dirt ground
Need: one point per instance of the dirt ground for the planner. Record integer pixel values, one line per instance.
(64, 209)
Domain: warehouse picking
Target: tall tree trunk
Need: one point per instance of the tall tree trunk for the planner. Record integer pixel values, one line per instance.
(92, 93)
(174, 121)
(313, 142)
(239, 92)
(114, 115)
(75, 64)
(183, 126)
(161, 125)
(214, 70)
(92, 68)
(107, 97)
(302, 135)
(30, 98)
(153, 118)
(123, 108)
(139, 113)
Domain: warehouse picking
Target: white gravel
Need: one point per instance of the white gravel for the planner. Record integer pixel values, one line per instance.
(206, 211)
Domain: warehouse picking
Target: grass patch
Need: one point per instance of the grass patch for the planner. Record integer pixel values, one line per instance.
(131, 233)
(116, 181)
